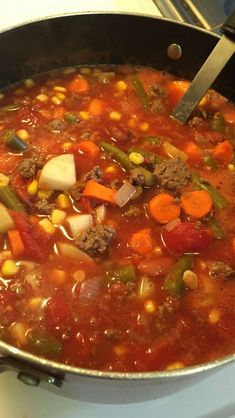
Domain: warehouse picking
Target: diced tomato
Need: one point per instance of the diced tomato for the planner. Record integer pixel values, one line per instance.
(57, 312)
(186, 238)
(8, 163)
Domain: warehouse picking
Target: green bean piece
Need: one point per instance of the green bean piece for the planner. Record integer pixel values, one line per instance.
(217, 122)
(155, 140)
(118, 155)
(210, 162)
(14, 142)
(149, 156)
(71, 118)
(216, 228)
(125, 274)
(148, 176)
(138, 193)
(10, 199)
(42, 343)
(140, 91)
(10, 108)
(174, 283)
(200, 184)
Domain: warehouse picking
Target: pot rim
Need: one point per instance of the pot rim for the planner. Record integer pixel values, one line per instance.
(10, 350)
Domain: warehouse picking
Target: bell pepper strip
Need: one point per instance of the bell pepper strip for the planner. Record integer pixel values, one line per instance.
(200, 184)
(141, 242)
(10, 200)
(140, 91)
(98, 191)
(125, 274)
(174, 283)
(16, 243)
(216, 228)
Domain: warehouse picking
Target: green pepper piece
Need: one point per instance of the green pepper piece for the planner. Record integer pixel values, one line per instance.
(140, 91)
(10, 200)
(71, 118)
(210, 162)
(14, 142)
(125, 274)
(155, 140)
(150, 156)
(200, 184)
(174, 283)
(41, 343)
(217, 122)
(216, 228)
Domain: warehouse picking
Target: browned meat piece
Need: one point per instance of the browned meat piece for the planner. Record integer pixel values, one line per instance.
(172, 174)
(136, 177)
(222, 269)
(119, 132)
(43, 207)
(197, 122)
(56, 125)
(75, 191)
(28, 168)
(96, 239)
(95, 174)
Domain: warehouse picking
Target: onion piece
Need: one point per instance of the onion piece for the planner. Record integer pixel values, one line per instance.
(89, 290)
(124, 194)
(172, 224)
(100, 213)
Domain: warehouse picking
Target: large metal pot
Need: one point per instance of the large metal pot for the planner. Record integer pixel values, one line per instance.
(93, 39)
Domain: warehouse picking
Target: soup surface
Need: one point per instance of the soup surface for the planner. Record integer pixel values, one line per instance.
(117, 226)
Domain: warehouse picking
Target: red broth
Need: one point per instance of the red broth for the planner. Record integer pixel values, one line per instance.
(117, 223)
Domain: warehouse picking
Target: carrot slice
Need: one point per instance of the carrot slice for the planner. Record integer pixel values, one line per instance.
(96, 107)
(78, 85)
(223, 152)
(89, 148)
(193, 151)
(99, 192)
(163, 208)
(141, 242)
(197, 203)
(16, 243)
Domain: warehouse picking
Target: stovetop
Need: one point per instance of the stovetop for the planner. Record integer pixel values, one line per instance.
(214, 396)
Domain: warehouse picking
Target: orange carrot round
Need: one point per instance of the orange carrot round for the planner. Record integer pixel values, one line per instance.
(96, 107)
(163, 208)
(78, 85)
(141, 242)
(197, 203)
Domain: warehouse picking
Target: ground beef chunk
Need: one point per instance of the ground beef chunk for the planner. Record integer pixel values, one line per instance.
(222, 269)
(133, 211)
(119, 132)
(95, 174)
(95, 240)
(136, 177)
(198, 123)
(43, 207)
(172, 174)
(28, 168)
(75, 191)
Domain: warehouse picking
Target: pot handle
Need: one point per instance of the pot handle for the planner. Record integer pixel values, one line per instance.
(28, 374)
(228, 27)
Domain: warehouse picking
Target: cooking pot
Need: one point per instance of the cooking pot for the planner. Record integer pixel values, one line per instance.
(104, 38)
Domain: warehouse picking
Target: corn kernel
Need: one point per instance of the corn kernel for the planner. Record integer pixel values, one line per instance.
(60, 89)
(9, 268)
(110, 169)
(47, 226)
(32, 188)
(136, 158)
(85, 70)
(157, 251)
(55, 100)
(42, 97)
(35, 303)
(175, 366)
(60, 96)
(79, 275)
(121, 85)
(1, 96)
(29, 83)
(67, 145)
(58, 277)
(144, 126)
(18, 331)
(214, 316)
(203, 101)
(119, 350)
(58, 216)
(231, 167)
(115, 115)
(23, 134)
(150, 306)
(63, 201)
(132, 122)
(4, 180)
(85, 115)
(44, 194)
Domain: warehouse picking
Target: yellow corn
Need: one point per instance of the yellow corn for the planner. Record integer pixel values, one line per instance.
(1, 95)
(29, 83)
(85, 115)
(136, 158)
(4, 180)
(9, 268)
(42, 97)
(60, 96)
(120, 350)
(58, 216)
(149, 306)
(58, 277)
(47, 226)
(85, 70)
(110, 169)
(214, 316)
(32, 188)
(67, 145)
(231, 167)
(63, 201)
(144, 126)
(175, 366)
(157, 251)
(60, 89)
(55, 100)
(115, 115)
(18, 331)
(121, 85)
(23, 134)
(35, 303)
(79, 275)
(44, 194)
